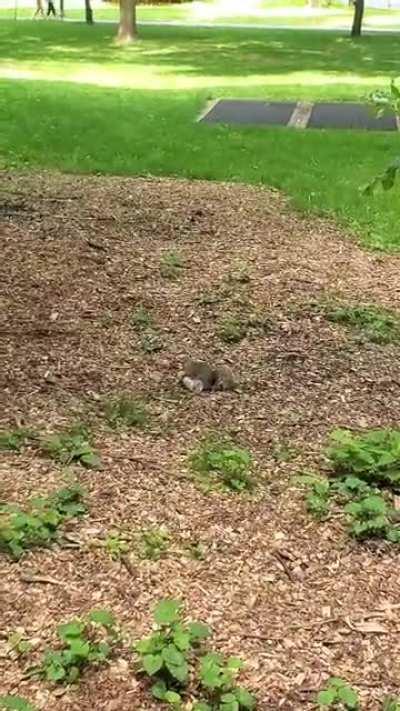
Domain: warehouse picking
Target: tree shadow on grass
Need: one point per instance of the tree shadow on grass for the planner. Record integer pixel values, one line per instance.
(209, 52)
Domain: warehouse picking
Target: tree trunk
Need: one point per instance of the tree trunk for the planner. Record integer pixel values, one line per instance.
(127, 30)
(62, 9)
(358, 18)
(88, 12)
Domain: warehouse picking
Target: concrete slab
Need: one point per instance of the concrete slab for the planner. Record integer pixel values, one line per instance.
(235, 111)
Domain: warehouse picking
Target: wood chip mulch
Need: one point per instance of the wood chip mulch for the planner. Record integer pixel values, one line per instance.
(297, 599)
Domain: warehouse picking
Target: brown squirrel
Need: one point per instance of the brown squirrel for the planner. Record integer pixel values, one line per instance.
(198, 377)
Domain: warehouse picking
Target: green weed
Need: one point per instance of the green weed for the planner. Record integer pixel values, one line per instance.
(16, 703)
(165, 655)
(371, 518)
(14, 440)
(151, 342)
(221, 462)
(171, 265)
(141, 319)
(126, 411)
(153, 543)
(83, 643)
(71, 446)
(373, 456)
(218, 678)
(116, 546)
(339, 695)
(232, 330)
(373, 323)
(38, 525)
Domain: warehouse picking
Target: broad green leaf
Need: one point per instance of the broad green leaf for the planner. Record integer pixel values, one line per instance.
(90, 460)
(73, 674)
(172, 697)
(348, 697)
(230, 706)
(172, 655)
(167, 612)
(326, 697)
(103, 617)
(228, 698)
(198, 630)
(152, 663)
(15, 703)
(245, 699)
(234, 664)
(79, 648)
(202, 706)
(150, 645)
(159, 690)
(55, 672)
(181, 638)
(71, 629)
(179, 672)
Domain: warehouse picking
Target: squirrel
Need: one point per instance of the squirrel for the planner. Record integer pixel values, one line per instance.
(198, 376)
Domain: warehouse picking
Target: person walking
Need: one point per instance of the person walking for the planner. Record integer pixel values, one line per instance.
(51, 10)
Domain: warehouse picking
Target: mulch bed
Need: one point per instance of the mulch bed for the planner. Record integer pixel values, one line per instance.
(78, 256)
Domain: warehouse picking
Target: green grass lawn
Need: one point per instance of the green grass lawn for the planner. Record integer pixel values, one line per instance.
(220, 12)
(73, 101)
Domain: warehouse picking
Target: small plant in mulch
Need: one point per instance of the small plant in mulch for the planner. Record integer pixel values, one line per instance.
(151, 342)
(373, 323)
(82, 643)
(338, 694)
(153, 543)
(126, 411)
(173, 657)
(232, 329)
(240, 273)
(13, 440)
(284, 452)
(141, 319)
(196, 550)
(365, 471)
(38, 524)
(218, 461)
(116, 545)
(373, 456)
(19, 644)
(391, 703)
(16, 703)
(171, 265)
(72, 445)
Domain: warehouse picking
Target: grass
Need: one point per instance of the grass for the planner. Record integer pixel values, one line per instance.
(74, 101)
(266, 13)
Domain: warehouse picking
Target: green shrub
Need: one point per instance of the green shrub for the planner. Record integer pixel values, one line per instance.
(373, 456)
(126, 411)
(221, 462)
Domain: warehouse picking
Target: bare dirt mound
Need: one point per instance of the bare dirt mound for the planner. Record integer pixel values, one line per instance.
(79, 258)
